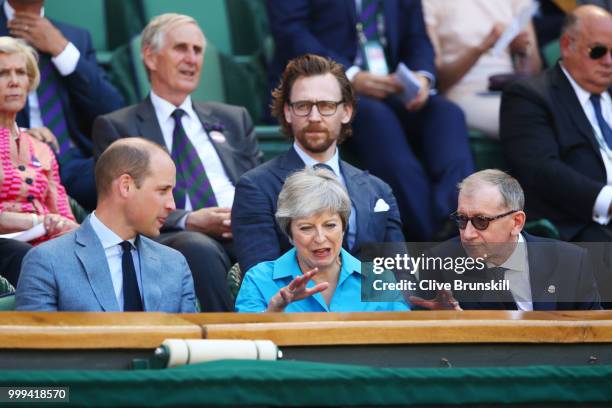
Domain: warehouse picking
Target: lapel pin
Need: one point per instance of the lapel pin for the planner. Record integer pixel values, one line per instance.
(551, 289)
(217, 136)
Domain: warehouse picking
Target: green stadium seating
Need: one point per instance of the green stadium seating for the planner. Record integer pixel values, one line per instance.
(551, 53)
(90, 15)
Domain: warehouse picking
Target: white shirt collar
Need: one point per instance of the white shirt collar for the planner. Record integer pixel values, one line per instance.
(164, 109)
(518, 258)
(107, 236)
(10, 11)
(334, 162)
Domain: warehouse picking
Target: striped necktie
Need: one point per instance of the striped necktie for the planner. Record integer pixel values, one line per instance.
(191, 179)
(603, 125)
(369, 19)
(50, 105)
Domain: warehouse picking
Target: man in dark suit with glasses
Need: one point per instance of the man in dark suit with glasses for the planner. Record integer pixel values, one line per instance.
(531, 273)
(556, 131)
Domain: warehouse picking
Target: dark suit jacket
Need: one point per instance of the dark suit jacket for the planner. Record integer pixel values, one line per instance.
(551, 149)
(257, 238)
(327, 28)
(238, 154)
(564, 266)
(85, 94)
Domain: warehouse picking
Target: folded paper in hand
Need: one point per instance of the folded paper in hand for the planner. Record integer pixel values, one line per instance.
(514, 28)
(36, 231)
(409, 81)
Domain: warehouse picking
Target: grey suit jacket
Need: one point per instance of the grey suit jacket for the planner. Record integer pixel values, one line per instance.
(238, 153)
(71, 273)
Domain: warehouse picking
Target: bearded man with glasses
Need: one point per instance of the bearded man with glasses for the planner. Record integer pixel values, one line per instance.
(315, 105)
(538, 273)
(556, 132)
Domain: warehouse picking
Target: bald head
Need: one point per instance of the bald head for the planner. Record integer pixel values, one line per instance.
(131, 156)
(586, 28)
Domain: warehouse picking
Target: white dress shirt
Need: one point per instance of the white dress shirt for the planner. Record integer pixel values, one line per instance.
(604, 198)
(334, 163)
(114, 253)
(222, 186)
(517, 274)
(65, 63)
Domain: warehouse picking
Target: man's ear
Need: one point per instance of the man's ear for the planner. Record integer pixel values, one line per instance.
(287, 113)
(149, 58)
(347, 113)
(125, 184)
(519, 218)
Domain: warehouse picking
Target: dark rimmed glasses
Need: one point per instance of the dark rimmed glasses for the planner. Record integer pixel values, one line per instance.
(325, 108)
(598, 51)
(480, 222)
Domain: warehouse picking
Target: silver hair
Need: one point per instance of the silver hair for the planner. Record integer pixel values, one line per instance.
(154, 33)
(309, 192)
(10, 45)
(511, 191)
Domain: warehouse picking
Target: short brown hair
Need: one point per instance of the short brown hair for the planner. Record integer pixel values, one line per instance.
(306, 66)
(131, 156)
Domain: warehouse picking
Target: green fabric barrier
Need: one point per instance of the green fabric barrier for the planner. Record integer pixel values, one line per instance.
(291, 383)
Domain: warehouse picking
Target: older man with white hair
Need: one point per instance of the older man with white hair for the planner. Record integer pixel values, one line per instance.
(211, 143)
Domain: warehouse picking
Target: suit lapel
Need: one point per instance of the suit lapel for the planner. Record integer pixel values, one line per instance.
(151, 270)
(542, 264)
(566, 95)
(355, 179)
(90, 252)
(224, 149)
(288, 163)
(147, 125)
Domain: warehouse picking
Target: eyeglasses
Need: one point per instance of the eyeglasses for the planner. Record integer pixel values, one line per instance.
(480, 222)
(598, 51)
(325, 108)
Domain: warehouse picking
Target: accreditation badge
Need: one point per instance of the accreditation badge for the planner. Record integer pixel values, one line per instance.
(375, 60)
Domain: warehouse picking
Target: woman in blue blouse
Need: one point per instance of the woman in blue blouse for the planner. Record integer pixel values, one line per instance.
(317, 275)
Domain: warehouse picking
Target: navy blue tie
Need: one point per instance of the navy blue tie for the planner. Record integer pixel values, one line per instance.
(323, 166)
(131, 294)
(603, 125)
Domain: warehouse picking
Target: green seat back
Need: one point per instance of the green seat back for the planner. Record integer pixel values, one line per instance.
(87, 14)
(211, 15)
(486, 152)
(551, 53)
(7, 297)
(129, 75)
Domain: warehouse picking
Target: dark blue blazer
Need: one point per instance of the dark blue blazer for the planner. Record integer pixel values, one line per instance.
(257, 238)
(85, 94)
(551, 149)
(327, 28)
(564, 266)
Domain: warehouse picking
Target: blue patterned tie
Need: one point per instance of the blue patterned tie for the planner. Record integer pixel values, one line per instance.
(369, 19)
(191, 176)
(50, 104)
(603, 125)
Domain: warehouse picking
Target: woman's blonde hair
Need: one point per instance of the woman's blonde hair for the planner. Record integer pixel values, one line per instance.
(10, 45)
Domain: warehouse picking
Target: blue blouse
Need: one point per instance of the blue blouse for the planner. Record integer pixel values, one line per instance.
(265, 279)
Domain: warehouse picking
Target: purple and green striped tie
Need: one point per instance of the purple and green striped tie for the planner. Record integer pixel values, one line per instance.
(369, 19)
(50, 105)
(191, 179)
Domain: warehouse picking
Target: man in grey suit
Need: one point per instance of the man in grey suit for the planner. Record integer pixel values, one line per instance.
(212, 144)
(108, 264)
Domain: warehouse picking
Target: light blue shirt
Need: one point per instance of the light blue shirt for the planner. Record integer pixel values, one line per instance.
(334, 163)
(114, 253)
(265, 279)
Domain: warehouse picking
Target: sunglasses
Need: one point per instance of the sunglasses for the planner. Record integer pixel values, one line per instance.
(480, 222)
(598, 51)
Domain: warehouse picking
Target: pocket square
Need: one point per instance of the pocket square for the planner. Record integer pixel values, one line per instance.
(381, 206)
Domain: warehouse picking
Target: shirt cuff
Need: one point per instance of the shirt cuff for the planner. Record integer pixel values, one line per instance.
(352, 71)
(431, 77)
(67, 60)
(183, 221)
(602, 205)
